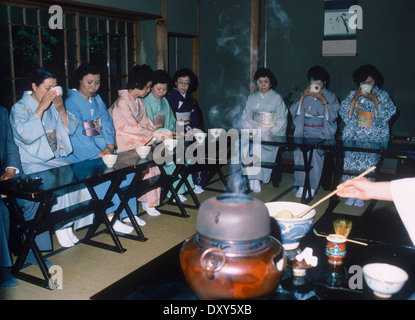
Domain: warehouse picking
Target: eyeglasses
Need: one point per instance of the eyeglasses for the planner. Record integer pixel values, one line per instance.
(184, 83)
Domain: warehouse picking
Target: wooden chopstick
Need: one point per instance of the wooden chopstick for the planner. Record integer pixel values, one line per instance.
(331, 194)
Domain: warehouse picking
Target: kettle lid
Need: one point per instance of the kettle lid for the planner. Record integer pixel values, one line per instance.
(233, 217)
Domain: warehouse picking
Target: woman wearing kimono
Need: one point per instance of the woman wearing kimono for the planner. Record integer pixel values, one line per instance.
(265, 110)
(95, 135)
(366, 117)
(42, 128)
(134, 128)
(187, 112)
(314, 116)
(161, 115)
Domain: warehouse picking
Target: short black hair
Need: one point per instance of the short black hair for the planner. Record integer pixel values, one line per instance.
(139, 76)
(186, 72)
(40, 75)
(160, 76)
(262, 73)
(87, 68)
(365, 71)
(318, 73)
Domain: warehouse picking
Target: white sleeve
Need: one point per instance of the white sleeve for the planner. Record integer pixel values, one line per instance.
(403, 194)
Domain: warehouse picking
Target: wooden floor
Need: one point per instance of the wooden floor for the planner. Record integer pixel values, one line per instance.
(88, 270)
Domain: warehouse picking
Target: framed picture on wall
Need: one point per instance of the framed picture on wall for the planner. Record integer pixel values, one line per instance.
(339, 37)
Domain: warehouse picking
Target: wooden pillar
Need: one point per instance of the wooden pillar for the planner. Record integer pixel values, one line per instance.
(253, 66)
(162, 39)
(195, 65)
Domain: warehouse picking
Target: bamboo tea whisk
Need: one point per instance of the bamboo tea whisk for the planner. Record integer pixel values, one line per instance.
(342, 227)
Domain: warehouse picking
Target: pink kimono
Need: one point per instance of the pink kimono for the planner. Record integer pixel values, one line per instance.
(134, 128)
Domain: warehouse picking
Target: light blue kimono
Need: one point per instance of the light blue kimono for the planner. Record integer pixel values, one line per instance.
(88, 147)
(40, 150)
(269, 114)
(161, 108)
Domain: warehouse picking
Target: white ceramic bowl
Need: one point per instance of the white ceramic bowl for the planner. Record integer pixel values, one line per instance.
(292, 230)
(216, 132)
(384, 279)
(200, 137)
(110, 159)
(170, 144)
(143, 151)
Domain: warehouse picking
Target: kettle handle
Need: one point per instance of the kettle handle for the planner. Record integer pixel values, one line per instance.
(209, 262)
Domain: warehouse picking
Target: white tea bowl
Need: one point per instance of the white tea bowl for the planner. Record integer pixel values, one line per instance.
(170, 144)
(58, 90)
(216, 132)
(143, 151)
(366, 88)
(110, 159)
(315, 88)
(384, 279)
(292, 229)
(200, 137)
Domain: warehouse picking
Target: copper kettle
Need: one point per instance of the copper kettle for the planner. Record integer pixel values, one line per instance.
(233, 255)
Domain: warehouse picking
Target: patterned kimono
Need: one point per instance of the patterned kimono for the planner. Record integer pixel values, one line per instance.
(311, 120)
(161, 115)
(45, 144)
(134, 128)
(188, 116)
(95, 132)
(366, 125)
(269, 114)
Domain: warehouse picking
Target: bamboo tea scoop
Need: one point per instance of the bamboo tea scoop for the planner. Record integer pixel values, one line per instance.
(331, 194)
(350, 240)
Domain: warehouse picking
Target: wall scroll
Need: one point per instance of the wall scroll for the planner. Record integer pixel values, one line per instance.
(340, 25)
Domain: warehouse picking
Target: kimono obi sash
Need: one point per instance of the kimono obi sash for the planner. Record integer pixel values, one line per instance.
(364, 118)
(159, 120)
(93, 127)
(313, 123)
(183, 118)
(263, 118)
(51, 136)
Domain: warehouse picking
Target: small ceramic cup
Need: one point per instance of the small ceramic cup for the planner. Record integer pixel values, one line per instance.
(315, 88)
(336, 249)
(366, 88)
(58, 89)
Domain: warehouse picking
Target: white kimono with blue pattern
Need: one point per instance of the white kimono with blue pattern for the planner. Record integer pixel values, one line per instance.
(376, 131)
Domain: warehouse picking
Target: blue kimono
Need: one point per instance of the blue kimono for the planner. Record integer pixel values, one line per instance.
(311, 120)
(94, 134)
(367, 125)
(45, 144)
(96, 129)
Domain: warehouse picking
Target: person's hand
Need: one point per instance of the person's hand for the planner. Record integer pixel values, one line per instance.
(9, 174)
(356, 188)
(58, 102)
(46, 100)
(305, 93)
(372, 96)
(108, 150)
